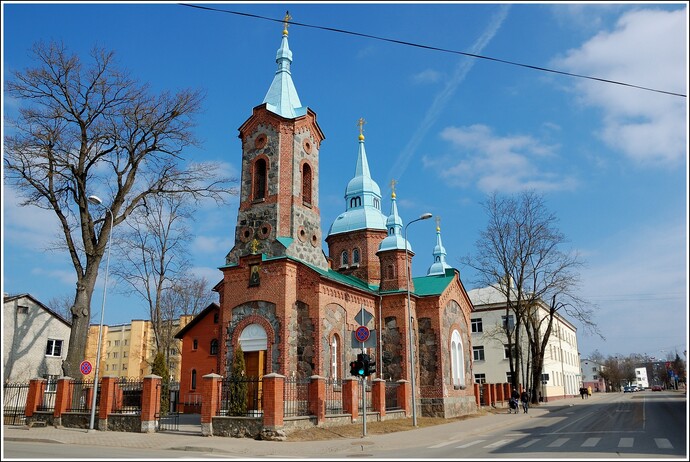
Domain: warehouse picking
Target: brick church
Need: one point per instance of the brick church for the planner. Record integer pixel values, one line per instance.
(294, 310)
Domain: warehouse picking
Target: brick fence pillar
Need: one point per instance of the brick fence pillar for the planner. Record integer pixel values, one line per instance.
(477, 395)
(506, 391)
(317, 398)
(404, 393)
(378, 397)
(487, 394)
(272, 387)
(34, 397)
(499, 393)
(210, 399)
(65, 386)
(150, 403)
(350, 403)
(106, 400)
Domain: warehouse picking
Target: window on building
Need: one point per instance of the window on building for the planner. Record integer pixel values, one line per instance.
(124, 366)
(355, 256)
(114, 367)
(343, 258)
(457, 360)
(54, 348)
(355, 202)
(22, 309)
(306, 184)
(107, 368)
(595, 377)
(509, 377)
(377, 203)
(108, 343)
(124, 355)
(506, 351)
(195, 344)
(193, 379)
(125, 342)
(117, 343)
(215, 318)
(477, 326)
(260, 179)
(214, 347)
(480, 378)
(107, 356)
(335, 351)
(508, 322)
(172, 352)
(478, 353)
(51, 382)
(115, 355)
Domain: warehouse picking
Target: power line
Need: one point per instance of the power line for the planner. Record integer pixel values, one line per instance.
(445, 50)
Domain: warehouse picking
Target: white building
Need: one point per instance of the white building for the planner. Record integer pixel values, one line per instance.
(592, 375)
(34, 340)
(489, 347)
(641, 379)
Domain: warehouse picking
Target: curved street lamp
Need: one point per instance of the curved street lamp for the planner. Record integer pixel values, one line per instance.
(97, 201)
(409, 316)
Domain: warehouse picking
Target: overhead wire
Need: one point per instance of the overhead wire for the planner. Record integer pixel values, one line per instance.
(445, 50)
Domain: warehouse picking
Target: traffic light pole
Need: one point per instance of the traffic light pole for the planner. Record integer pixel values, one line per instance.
(364, 408)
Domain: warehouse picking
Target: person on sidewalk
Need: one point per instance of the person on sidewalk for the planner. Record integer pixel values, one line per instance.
(524, 397)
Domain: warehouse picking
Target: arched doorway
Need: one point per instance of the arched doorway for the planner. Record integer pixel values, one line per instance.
(254, 343)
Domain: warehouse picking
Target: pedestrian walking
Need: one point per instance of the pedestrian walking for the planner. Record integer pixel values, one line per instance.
(524, 397)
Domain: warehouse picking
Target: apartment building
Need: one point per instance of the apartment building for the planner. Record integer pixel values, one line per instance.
(561, 372)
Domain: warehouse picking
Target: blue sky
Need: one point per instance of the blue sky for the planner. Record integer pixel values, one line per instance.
(610, 160)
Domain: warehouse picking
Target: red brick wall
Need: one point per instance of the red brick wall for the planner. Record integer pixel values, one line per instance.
(200, 359)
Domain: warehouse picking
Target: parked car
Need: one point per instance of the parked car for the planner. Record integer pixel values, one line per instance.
(628, 389)
(656, 388)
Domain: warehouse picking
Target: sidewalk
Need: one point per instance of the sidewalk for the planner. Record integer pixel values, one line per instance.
(188, 439)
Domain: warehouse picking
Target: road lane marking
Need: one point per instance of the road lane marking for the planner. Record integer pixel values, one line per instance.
(497, 444)
(626, 442)
(558, 443)
(467, 445)
(529, 443)
(591, 442)
(663, 443)
(440, 445)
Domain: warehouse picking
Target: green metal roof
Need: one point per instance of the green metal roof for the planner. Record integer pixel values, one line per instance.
(433, 285)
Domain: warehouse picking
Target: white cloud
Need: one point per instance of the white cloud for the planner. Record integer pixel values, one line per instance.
(479, 158)
(427, 76)
(212, 244)
(647, 48)
(27, 227)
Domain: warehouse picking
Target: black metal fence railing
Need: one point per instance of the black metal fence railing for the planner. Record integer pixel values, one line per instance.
(48, 401)
(81, 395)
(240, 396)
(128, 393)
(392, 396)
(334, 396)
(14, 403)
(296, 397)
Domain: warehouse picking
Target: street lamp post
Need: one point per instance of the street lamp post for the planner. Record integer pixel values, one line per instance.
(97, 201)
(409, 316)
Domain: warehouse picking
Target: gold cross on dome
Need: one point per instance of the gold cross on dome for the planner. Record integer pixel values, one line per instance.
(254, 246)
(438, 223)
(286, 22)
(360, 124)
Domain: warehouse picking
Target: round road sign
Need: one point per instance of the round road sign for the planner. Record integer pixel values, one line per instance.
(85, 367)
(362, 333)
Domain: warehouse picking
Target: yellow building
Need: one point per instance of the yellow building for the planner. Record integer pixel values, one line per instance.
(128, 350)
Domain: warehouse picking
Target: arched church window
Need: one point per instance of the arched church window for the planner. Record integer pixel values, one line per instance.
(390, 271)
(457, 360)
(355, 256)
(343, 258)
(214, 347)
(193, 379)
(260, 179)
(306, 184)
(377, 203)
(355, 202)
(335, 352)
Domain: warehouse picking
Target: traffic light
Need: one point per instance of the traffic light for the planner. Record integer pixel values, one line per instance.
(354, 368)
(372, 367)
(362, 364)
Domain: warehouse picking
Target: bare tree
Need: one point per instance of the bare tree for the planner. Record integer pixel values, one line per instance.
(61, 305)
(88, 128)
(519, 254)
(152, 254)
(189, 295)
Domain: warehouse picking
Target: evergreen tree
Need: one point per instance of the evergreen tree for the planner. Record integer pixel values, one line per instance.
(160, 368)
(237, 405)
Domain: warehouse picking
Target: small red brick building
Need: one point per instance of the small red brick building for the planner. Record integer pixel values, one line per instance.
(293, 309)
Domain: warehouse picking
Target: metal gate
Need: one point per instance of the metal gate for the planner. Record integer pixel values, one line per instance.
(14, 403)
(169, 415)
